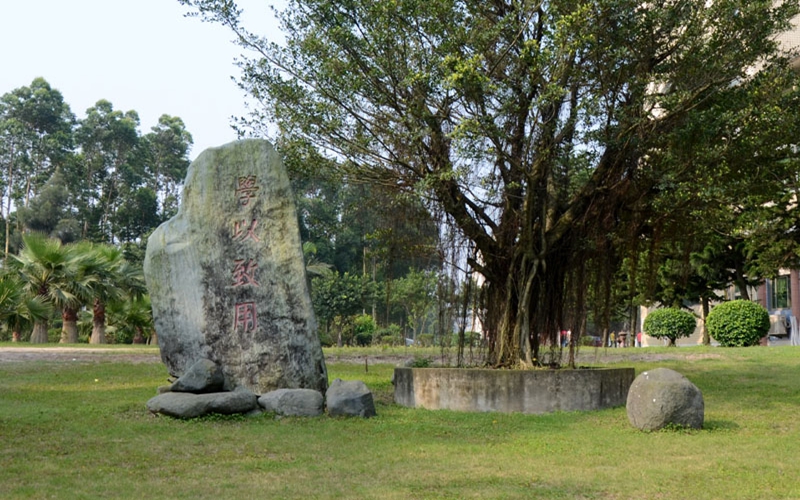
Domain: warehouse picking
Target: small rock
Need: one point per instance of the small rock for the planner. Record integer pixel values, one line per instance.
(293, 402)
(350, 398)
(202, 377)
(662, 396)
(188, 405)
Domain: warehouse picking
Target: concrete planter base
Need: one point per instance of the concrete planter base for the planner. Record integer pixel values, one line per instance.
(507, 391)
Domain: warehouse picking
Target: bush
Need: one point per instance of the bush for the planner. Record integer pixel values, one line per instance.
(669, 323)
(424, 340)
(363, 328)
(363, 339)
(739, 323)
(325, 339)
(390, 336)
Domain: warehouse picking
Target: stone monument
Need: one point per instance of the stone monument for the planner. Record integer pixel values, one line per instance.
(227, 279)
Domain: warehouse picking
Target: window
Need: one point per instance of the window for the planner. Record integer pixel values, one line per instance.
(781, 296)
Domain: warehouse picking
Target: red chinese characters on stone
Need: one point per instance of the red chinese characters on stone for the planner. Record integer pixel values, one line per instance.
(244, 231)
(244, 272)
(245, 317)
(246, 189)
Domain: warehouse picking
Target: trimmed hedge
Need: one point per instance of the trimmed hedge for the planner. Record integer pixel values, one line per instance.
(738, 323)
(669, 323)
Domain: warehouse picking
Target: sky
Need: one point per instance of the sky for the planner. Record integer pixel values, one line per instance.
(141, 55)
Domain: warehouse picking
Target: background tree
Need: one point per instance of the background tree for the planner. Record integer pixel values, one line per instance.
(337, 299)
(118, 280)
(556, 136)
(167, 147)
(35, 136)
(18, 310)
(108, 139)
(54, 273)
(50, 211)
(416, 293)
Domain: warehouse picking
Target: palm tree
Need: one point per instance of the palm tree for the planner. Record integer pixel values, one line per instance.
(56, 274)
(117, 280)
(17, 309)
(134, 317)
(86, 261)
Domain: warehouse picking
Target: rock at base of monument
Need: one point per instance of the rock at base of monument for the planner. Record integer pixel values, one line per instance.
(293, 402)
(202, 377)
(350, 398)
(662, 397)
(188, 405)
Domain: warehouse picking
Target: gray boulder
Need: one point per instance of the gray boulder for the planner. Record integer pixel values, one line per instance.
(202, 377)
(188, 405)
(293, 402)
(349, 398)
(662, 396)
(226, 274)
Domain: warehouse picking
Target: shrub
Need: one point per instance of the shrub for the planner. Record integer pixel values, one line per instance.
(363, 328)
(363, 339)
(669, 323)
(420, 362)
(425, 340)
(391, 335)
(325, 339)
(738, 323)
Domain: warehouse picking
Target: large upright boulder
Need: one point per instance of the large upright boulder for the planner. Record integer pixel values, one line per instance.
(226, 275)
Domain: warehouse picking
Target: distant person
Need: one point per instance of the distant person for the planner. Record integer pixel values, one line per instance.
(639, 339)
(612, 340)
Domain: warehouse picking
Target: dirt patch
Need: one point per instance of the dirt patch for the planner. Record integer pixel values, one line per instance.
(76, 354)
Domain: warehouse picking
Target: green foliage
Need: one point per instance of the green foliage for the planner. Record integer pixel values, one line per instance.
(420, 362)
(425, 340)
(95, 178)
(337, 295)
(325, 339)
(738, 323)
(363, 328)
(392, 335)
(558, 137)
(669, 323)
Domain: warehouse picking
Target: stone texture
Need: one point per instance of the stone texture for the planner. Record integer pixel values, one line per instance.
(226, 275)
(349, 398)
(188, 405)
(662, 396)
(293, 402)
(509, 391)
(203, 376)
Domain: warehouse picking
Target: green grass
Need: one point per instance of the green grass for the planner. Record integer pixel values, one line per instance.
(80, 430)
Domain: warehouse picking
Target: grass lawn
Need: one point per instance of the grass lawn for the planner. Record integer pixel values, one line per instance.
(79, 429)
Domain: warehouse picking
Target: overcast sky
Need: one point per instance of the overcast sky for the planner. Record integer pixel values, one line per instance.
(141, 55)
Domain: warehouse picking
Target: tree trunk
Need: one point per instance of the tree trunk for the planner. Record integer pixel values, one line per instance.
(138, 337)
(39, 335)
(8, 202)
(69, 328)
(98, 323)
(706, 338)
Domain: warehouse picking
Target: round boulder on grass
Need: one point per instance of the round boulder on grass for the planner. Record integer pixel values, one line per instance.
(662, 397)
